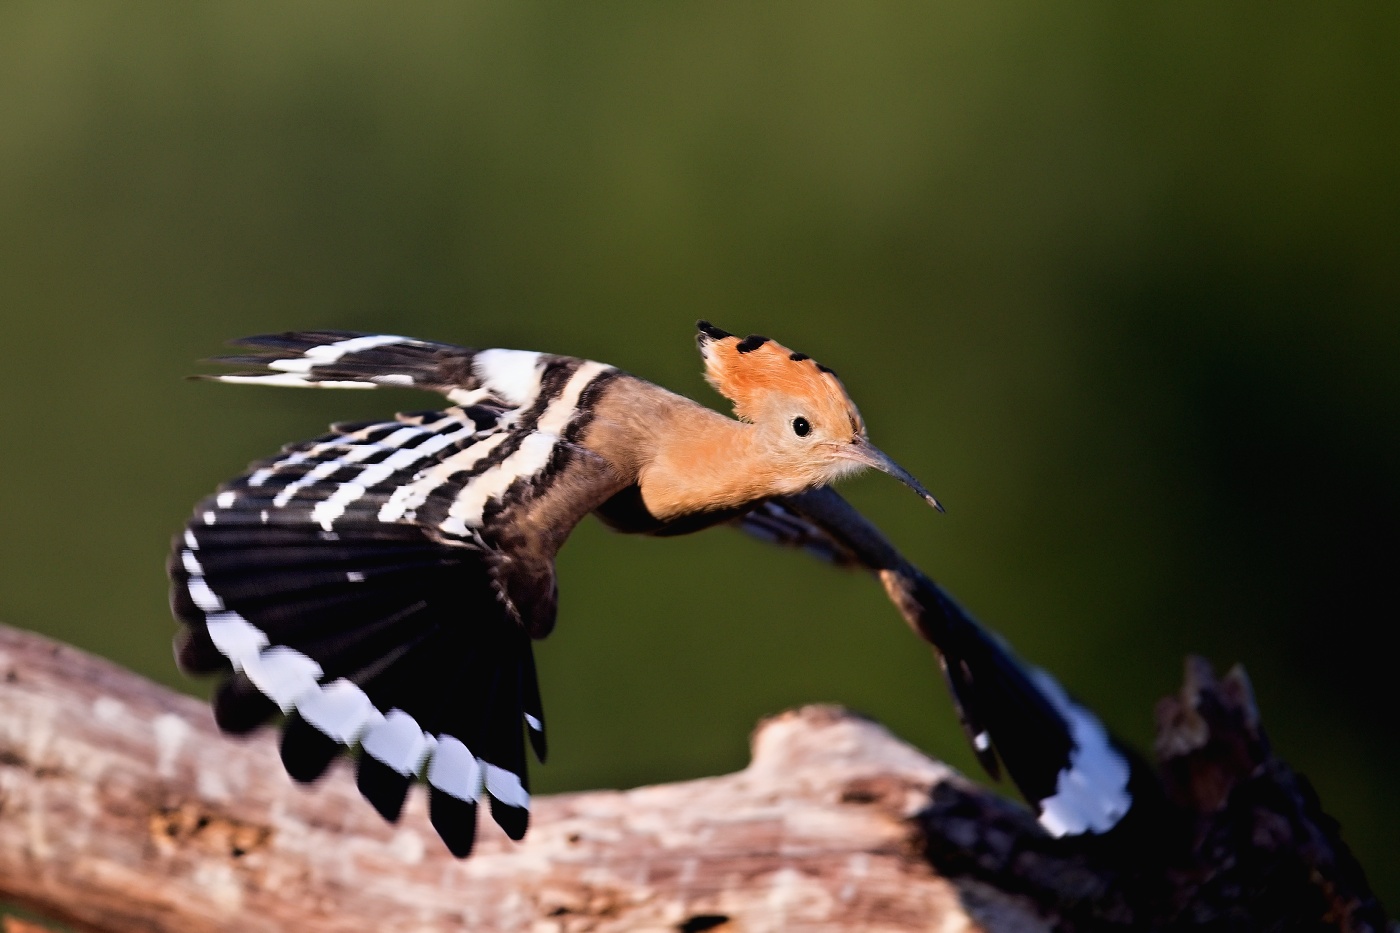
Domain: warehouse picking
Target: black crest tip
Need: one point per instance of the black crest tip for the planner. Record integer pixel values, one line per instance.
(711, 331)
(751, 343)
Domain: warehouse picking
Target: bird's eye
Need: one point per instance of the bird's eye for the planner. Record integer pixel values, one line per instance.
(801, 426)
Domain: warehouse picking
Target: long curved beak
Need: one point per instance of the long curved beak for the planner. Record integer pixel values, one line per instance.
(863, 452)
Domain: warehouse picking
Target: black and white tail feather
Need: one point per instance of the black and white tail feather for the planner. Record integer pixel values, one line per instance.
(350, 583)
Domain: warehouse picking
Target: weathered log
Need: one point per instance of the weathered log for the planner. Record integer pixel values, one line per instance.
(122, 808)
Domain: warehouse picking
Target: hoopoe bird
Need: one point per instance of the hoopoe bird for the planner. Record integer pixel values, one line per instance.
(379, 587)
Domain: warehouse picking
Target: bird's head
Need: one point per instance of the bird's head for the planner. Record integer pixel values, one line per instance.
(808, 425)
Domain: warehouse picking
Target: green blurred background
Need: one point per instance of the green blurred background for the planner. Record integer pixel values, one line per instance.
(1119, 282)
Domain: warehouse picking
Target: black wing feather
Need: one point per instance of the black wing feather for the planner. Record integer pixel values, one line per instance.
(341, 357)
(1058, 753)
(399, 620)
(774, 522)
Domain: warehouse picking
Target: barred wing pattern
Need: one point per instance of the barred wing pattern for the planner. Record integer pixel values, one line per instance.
(354, 584)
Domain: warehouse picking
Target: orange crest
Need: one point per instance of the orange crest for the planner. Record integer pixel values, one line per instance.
(754, 371)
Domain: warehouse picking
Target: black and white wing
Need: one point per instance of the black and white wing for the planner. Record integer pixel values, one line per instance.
(1057, 752)
(360, 583)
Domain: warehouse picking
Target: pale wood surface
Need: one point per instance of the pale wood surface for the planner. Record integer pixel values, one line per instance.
(122, 808)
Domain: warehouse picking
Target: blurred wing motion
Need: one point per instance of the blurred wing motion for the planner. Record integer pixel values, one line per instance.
(1058, 754)
(362, 583)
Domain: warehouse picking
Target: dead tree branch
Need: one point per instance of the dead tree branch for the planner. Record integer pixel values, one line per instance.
(123, 809)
